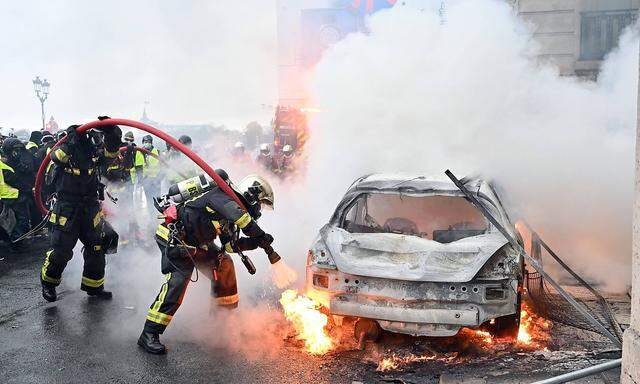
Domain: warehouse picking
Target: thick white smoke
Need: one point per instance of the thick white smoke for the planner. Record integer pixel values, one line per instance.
(417, 96)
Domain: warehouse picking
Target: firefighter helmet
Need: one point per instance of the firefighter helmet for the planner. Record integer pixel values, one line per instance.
(128, 137)
(287, 150)
(264, 149)
(47, 138)
(185, 140)
(257, 189)
(12, 144)
(60, 135)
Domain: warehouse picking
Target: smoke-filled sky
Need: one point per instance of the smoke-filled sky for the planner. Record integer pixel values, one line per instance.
(195, 61)
(418, 96)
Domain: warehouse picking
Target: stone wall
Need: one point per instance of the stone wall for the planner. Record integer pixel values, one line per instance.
(631, 345)
(557, 29)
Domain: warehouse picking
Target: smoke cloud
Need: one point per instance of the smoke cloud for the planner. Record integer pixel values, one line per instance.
(417, 96)
(195, 62)
(411, 96)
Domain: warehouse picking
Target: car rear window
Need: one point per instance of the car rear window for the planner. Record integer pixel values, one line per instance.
(441, 218)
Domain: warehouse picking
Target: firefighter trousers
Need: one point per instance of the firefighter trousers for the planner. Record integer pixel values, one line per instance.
(70, 222)
(177, 268)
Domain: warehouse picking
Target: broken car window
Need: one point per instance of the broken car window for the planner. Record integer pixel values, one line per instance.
(441, 218)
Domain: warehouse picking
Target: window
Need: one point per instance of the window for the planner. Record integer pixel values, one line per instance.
(441, 218)
(600, 31)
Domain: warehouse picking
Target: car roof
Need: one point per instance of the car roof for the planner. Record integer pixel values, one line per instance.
(391, 181)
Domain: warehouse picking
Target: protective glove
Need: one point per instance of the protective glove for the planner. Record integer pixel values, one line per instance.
(246, 244)
(105, 128)
(265, 240)
(112, 135)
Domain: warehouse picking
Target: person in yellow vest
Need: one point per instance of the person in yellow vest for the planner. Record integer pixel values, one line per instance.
(10, 193)
(151, 172)
(34, 142)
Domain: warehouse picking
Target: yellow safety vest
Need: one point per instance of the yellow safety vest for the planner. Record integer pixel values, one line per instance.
(6, 191)
(31, 144)
(152, 167)
(137, 162)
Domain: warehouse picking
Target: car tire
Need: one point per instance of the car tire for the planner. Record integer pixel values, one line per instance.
(366, 330)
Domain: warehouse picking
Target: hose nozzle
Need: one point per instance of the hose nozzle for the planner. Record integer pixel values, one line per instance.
(271, 254)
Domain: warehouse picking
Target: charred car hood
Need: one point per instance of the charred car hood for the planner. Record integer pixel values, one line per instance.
(403, 257)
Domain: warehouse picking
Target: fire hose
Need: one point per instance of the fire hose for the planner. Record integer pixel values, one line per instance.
(273, 256)
(149, 129)
(160, 159)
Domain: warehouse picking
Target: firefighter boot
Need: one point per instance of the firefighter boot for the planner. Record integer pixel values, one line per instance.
(100, 294)
(49, 292)
(151, 343)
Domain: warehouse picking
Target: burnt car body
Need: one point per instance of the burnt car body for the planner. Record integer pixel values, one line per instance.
(412, 254)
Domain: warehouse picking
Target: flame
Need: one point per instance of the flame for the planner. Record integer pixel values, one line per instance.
(308, 321)
(395, 362)
(283, 275)
(534, 329)
(532, 334)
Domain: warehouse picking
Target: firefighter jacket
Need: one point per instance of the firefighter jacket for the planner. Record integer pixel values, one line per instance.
(214, 214)
(77, 176)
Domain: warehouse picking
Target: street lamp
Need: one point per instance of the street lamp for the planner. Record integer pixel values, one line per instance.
(42, 91)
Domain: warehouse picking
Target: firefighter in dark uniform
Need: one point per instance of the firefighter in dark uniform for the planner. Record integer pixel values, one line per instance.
(76, 214)
(189, 240)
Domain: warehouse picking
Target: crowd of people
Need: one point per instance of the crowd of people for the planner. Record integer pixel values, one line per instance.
(87, 169)
(20, 161)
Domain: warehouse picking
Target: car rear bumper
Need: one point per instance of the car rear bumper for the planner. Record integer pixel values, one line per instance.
(415, 308)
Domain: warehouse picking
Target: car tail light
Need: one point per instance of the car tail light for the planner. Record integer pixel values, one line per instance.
(321, 281)
(494, 293)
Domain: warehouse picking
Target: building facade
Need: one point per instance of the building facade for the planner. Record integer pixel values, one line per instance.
(576, 35)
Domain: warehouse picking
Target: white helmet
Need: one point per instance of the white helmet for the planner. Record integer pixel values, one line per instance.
(287, 149)
(264, 149)
(238, 145)
(258, 189)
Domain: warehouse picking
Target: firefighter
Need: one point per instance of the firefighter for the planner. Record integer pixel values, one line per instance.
(21, 177)
(199, 221)
(179, 163)
(34, 142)
(77, 214)
(46, 143)
(265, 158)
(286, 163)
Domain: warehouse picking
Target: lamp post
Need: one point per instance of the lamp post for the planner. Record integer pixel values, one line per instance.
(42, 91)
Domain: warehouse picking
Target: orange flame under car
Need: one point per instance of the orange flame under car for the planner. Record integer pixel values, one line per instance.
(309, 323)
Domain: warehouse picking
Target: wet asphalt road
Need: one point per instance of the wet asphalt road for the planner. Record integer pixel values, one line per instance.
(81, 340)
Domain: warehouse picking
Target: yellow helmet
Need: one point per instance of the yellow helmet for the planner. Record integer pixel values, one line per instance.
(258, 189)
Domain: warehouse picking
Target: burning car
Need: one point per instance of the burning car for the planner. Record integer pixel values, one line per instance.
(412, 255)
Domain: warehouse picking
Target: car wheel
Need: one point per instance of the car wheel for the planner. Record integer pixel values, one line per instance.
(366, 330)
